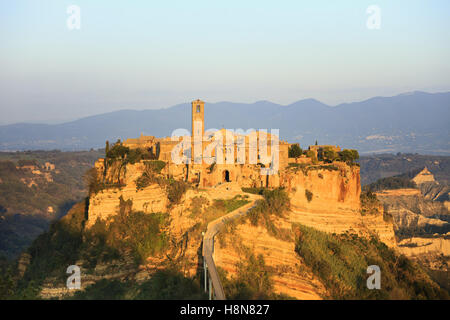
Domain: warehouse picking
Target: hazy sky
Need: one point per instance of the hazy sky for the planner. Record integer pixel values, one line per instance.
(154, 54)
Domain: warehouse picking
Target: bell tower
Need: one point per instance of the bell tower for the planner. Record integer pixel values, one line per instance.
(198, 118)
(198, 129)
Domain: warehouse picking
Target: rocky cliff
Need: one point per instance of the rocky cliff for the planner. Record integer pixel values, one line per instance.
(333, 205)
(323, 196)
(414, 213)
(422, 223)
(324, 188)
(106, 202)
(334, 202)
(290, 275)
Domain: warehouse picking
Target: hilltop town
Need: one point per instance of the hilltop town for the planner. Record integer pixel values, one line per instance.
(219, 151)
(228, 160)
(321, 184)
(229, 214)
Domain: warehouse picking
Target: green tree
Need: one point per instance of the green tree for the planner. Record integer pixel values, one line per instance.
(295, 151)
(311, 154)
(349, 155)
(175, 190)
(7, 283)
(253, 280)
(118, 151)
(355, 154)
(329, 154)
(93, 181)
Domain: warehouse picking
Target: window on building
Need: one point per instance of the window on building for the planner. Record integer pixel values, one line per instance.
(198, 108)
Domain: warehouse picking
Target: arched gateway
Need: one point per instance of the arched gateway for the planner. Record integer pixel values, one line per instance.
(226, 176)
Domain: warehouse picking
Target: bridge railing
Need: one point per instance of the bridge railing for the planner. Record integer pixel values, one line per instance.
(212, 280)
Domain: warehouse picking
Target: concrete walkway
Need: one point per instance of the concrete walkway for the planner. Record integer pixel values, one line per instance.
(208, 244)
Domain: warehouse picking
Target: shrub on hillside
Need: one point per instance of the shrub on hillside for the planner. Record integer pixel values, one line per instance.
(175, 190)
(252, 281)
(59, 246)
(389, 183)
(218, 208)
(341, 261)
(143, 233)
(311, 154)
(369, 203)
(155, 165)
(308, 195)
(170, 285)
(163, 285)
(275, 203)
(93, 181)
(259, 191)
(150, 175)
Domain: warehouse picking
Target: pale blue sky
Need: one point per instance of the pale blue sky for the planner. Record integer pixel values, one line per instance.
(148, 54)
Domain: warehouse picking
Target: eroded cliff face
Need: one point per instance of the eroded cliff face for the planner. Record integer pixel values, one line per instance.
(416, 246)
(185, 227)
(290, 275)
(422, 221)
(334, 207)
(412, 211)
(106, 202)
(334, 204)
(332, 188)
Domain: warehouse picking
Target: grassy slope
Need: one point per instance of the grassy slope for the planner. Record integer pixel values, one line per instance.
(341, 261)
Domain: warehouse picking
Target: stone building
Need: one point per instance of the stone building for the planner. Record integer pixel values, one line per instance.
(217, 157)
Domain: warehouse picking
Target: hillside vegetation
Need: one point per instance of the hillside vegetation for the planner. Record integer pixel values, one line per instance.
(31, 196)
(340, 261)
(390, 183)
(117, 248)
(120, 244)
(163, 285)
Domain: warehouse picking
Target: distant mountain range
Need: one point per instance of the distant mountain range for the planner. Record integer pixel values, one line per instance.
(416, 122)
